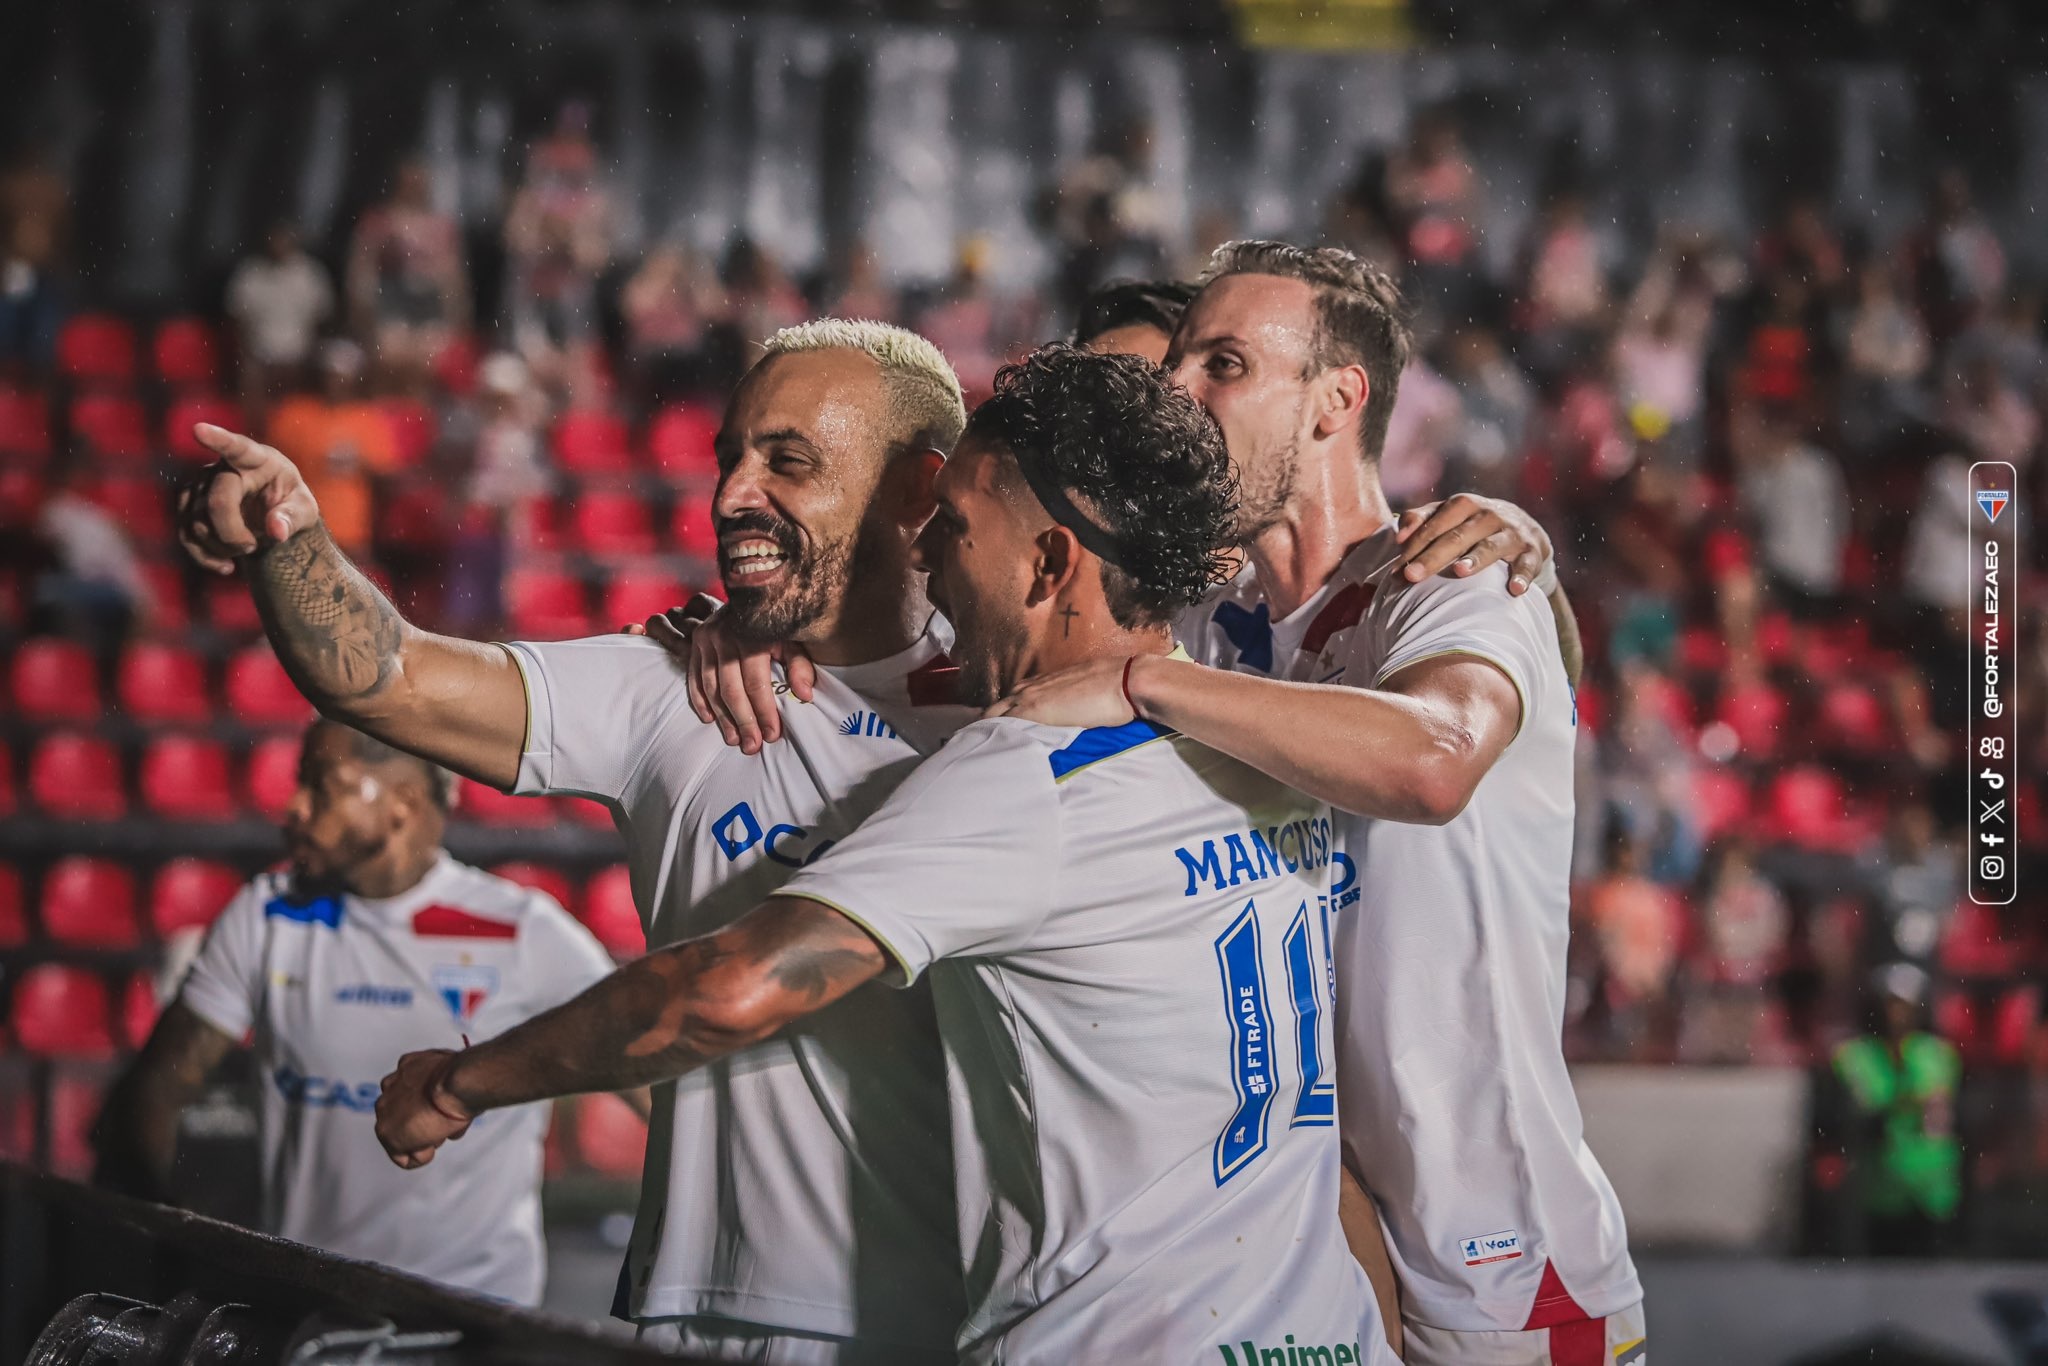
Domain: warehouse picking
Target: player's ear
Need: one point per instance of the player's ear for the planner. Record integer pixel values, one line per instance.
(1341, 393)
(1056, 559)
(918, 476)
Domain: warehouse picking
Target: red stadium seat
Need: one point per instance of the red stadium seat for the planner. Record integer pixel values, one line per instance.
(272, 776)
(541, 877)
(187, 893)
(111, 427)
(13, 909)
(259, 691)
(54, 680)
(2012, 1024)
(1806, 806)
(185, 353)
(680, 441)
(96, 346)
(184, 412)
(24, 426)
(632, 597)
(592, 442)
(413, 430)
(455, 368)
(230, 608)
(139, 1009)
(611, 522)
(170, 607)
(544, 605)
(1701, 650)
(22, 493)
(77, 777)
(1756, 713)
(609, 911)
(690, 530)
(142, 506)
(8, 801)
(492, 807)
(158, 683)
(584, 811)
(1853, 718)
(610, 1137)
(415, 518)
(1721, 801)
(74, 1106)
(89, 902)
(186, 778)
(61, 1011)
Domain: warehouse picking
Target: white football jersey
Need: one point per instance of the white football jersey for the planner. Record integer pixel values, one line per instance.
(330, 991)
(1450, 946)
(1125, 935)
(803, 1183)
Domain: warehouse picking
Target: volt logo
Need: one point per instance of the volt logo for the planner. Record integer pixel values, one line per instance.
(1504, 1246)
(739, 830)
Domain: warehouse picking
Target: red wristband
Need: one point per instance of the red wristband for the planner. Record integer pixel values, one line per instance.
(1127, 687)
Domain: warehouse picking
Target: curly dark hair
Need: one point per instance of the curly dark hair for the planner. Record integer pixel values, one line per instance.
(1130, 303)
(1360, 317)
(1139, 458)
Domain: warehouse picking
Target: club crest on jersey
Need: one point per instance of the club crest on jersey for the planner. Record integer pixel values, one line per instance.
(1993, 501)
(868, 724)
(464, 988)
(1504, 1246)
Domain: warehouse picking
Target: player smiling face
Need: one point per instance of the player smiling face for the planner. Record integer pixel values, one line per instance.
(803, 447)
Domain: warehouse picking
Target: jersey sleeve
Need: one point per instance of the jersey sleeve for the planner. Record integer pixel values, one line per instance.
(960, 861)
(593, 710)
(1471, 616)
(561, 958)
(224, 985)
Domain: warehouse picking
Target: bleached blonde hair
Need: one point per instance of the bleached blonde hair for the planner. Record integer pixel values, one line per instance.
(923, 390)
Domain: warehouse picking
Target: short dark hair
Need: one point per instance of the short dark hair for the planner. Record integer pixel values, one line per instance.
(368, 749)
(1360, 317)
(1132, 303)
(1140, 457)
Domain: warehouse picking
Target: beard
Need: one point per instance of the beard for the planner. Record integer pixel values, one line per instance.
(820, 575)
(1266, 482)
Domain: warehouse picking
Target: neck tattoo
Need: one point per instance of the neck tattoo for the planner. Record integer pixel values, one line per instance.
(1068, 629)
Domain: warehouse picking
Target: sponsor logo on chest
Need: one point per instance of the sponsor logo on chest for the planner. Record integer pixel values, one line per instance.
(739, 830)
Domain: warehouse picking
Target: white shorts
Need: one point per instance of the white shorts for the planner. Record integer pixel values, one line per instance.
(1620, 1339)
(705, 1338)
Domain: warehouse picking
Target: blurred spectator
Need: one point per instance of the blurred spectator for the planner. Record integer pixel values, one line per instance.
(962, 321)
(1743, 920)
(860, 291)
(407, 291)
(558, 238)
(94, 587)
(1640, 926)
(1564, 277)
(1800, 245)
(1941, 538)
(340, 439)
(1426, 426)
(1434, 193)
(35, 230)
(1106, 218)
(1496, 400)
(1648, 775)
(1914, 880)
(1983, 407)
(1897, 1126)
(1954, 260)
(278, 300)
(1794, 494)
(1660, 353)
(1886, 345)
(669, 304)
(760, 299)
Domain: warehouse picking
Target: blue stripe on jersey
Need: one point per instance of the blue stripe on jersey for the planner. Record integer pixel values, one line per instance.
(1104, 742)
(319, 910)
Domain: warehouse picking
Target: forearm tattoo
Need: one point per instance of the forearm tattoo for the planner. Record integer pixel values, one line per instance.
(677, 1008)
(336, 635)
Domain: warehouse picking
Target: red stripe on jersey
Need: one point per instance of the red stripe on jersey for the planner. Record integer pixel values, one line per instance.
(1579, 1344)
(446, 922)
(1554, 1304)
(1344, 610)
(934, 683)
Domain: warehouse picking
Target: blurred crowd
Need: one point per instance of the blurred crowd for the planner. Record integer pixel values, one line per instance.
(1752, 455)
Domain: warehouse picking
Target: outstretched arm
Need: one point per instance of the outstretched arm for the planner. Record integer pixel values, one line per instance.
(136, 1135)
(457, 702)
(656, 1018)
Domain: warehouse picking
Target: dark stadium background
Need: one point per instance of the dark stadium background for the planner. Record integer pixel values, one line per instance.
(1727, 293)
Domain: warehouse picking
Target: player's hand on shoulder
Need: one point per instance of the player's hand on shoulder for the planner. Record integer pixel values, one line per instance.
(1090, 694)
(1465, 533)
(416, 1113)
(249, 499)
(732, 684)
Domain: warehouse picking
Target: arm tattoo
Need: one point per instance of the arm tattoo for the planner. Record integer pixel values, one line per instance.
(336, 635)
(677, 1008)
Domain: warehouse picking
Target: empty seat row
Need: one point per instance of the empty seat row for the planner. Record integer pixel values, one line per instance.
(53, 679)
(99, 347)
(679, 443)
(1804, 806)
(61, 1010)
